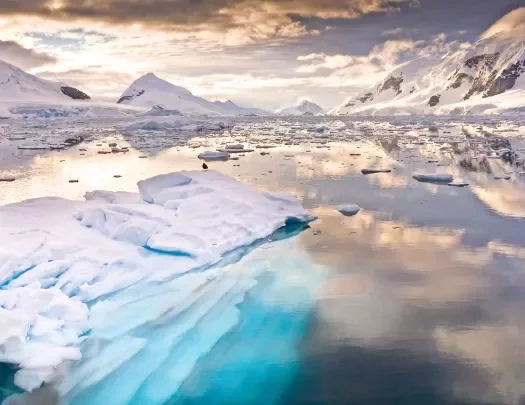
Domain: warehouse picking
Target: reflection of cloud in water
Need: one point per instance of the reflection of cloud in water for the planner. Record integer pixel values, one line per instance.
(505, 198)
(388, 180)
(498, 349)
(427, 264)
(392, 284)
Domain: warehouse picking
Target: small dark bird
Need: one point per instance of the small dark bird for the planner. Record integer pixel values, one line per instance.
(205, 166)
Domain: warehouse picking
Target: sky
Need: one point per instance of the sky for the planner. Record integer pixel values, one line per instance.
(259, 53)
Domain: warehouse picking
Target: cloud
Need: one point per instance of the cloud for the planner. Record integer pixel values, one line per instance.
(14, 53)
(98, 81)
(381, 57)
(256, 19)
(511, 25)
(395, 31)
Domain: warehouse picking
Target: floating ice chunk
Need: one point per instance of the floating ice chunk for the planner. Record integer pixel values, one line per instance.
(235, 146)
(458, 184)
(372, 171)
(235, 150)
(210, 155)
(433, 177)
(349, 210)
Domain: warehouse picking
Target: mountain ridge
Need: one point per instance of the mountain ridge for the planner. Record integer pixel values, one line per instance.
(305, 107)
(151, 91)
(18, 85)
(484, 78)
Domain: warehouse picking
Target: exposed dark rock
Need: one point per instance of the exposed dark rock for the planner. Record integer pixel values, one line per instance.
(484, 61)
(140, 93)
(506, 80)
(489, 82)
(460, 79)
(75, 94)
(434, 101)
(393, 83)
(366, 97)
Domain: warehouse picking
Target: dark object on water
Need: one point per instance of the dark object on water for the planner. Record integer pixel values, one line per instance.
(372, 171)
(73, 141)
(205, 166)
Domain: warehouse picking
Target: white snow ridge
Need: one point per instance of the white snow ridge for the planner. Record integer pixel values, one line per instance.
(60, 259)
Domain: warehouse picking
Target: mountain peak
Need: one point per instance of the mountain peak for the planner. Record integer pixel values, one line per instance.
(304, 107)
(149, 76)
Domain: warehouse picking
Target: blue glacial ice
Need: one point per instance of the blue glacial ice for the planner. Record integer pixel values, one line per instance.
(225, 344)
(140, 288)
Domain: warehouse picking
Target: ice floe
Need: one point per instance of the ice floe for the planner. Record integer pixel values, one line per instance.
(212, 155)
(349, 210)
(433, 177)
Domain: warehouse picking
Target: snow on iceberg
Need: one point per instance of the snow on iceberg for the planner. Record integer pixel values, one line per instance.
(200, 214)
(62, 261)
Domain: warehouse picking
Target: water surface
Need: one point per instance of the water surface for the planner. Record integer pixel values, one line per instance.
(418, 299)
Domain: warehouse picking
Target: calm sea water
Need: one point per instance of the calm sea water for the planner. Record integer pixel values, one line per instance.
(418, 299)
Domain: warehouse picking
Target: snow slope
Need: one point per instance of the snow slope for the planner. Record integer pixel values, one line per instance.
(231, 108)
(488, 77)
(150, 91)
(62, 261)
(17, 85)
(305, 107)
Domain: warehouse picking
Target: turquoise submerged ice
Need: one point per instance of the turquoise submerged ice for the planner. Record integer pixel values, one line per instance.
(135, 285)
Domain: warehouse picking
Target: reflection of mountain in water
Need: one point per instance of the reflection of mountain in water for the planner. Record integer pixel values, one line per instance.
(481, 165)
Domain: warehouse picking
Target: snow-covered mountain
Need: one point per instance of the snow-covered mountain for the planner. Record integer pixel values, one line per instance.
(149, 91)
(19, 86)
(488, 77)
(305, 107)
(231, 108)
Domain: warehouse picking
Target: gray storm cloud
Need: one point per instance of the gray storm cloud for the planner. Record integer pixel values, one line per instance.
(14, 53)
(183, 14)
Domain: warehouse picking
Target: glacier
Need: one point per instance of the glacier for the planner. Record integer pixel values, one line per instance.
(77, 277)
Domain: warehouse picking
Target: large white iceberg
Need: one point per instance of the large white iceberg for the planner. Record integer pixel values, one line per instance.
(61, 261)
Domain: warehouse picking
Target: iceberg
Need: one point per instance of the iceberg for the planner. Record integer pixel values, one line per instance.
(434, 177)
(349, 210)
(211, 155)
(373, 171)
(74, 269)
